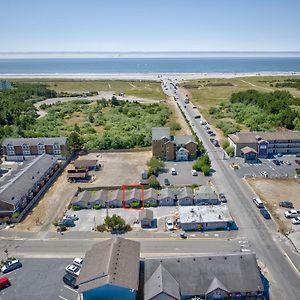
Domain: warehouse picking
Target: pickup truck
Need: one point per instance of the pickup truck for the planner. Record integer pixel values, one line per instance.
(292, 213)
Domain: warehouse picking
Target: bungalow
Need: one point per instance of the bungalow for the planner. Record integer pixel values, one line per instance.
(205, 195)
(146, 218)
(83, 200)
(114, 198)
(110, 270)
(166, 197)
(184, 196)
(232, 276)
(99, 198)
(133, 195)
(150, 197)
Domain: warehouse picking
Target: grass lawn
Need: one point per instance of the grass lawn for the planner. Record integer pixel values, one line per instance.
(144, 89)
(206, 93)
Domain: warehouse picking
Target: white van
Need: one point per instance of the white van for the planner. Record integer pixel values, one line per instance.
(173, 171)
(258, 202)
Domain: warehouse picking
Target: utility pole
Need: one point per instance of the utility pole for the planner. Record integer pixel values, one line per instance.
(106, 209)
(6, 252)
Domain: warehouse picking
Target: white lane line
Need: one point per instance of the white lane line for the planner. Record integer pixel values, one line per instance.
(292, 264)
(69, 288)
(61, 297)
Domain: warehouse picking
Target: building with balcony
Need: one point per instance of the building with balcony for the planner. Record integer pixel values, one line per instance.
(264, 144)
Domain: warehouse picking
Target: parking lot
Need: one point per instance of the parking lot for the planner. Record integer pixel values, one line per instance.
(88, 218)
(266, 167)
(39, 279)
(184, 174)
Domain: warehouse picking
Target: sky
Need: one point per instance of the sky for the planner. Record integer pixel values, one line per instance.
(149, 25)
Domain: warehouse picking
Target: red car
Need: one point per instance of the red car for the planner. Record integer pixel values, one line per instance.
(297, 161)
(4, 282)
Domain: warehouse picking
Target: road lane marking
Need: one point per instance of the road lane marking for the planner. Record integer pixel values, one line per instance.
(69, 288)
(292, 264)
(61, 297)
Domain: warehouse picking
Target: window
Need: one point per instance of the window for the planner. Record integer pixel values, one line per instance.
(41, 146)
(11, 152)
(10, 147)
(56, 151)
(26, 152)
(55, 146)
(41, 151)
(25, 147)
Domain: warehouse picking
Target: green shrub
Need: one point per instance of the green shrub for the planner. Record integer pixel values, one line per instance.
(15, 215)
(61, 227)
(175, 126)
(297, 171)
(230, 151)
(76, 207)
(146, 205)
(153, 182)
(101, 228)
(225, 144)
(135, 204)
(96, 206)
(153, 205)
(55, 223)
(206, 170)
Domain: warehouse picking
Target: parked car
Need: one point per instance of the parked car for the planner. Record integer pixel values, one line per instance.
(169, 224)
(279, 155)
(276, 162)
(216, 143)
(73, 270)
(265, 213)
(258, 202)
(297, 161)
(203, 123)
(288, 162)
(292, 213)
(194, 173)
(222, 197)
(264, 173)
(70, 280)
(296, 221)
(72, 217)
(212, 134)
(183, 235)
(67, 222)
(166, 181)
(173, 171)
(286, 204)
(4, 283)
(11, 265)
(78, 262)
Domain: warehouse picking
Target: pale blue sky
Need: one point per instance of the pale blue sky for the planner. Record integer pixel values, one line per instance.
(149, 25)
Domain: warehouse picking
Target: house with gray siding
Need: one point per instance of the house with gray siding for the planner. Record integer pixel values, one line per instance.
(166, 197)
(146, 218)
(114, 198)
(150, 196)
(205, 195)
(110, 270)
(133, 195)
(99, 197)
(184, 196)
(19, 187)
(232, 276)
(83, 200)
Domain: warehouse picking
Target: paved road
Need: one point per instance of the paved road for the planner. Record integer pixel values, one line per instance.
(262, 234)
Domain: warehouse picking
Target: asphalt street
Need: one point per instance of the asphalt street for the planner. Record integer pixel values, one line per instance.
(262, 234)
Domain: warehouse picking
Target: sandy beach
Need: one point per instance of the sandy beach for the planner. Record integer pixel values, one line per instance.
(144, 76)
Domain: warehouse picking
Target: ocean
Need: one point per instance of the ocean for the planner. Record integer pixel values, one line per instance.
(182, 65)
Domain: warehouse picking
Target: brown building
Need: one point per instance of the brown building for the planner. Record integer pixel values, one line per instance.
(168, 147)
(17, 149)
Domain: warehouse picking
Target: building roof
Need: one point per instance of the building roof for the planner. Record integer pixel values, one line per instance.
(166, 193)
(252, 137)
(34, 141)
(160, 132)
(101, 196)
(161, 281)
(204, 214)
(205, 192)
(201, 275)
(146, 214)
(114, 261)
(181, 149)
(133, 194)
(247, 150)
(150, 194)
(115, 195)
(84, 196)
(184, 193)
(77, 175)
(183, 139)
(24, 179)
(86, 163)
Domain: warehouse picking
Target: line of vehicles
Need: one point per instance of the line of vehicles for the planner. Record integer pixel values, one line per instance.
(72, 272)
(9, 265)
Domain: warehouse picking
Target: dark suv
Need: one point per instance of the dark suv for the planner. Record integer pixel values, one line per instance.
(286, 204)
(265, 213)
(69, 280)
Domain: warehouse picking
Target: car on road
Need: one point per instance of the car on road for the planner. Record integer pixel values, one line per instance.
(70, 280)
(183, 235)
(296, 221)
(194, 173)
(222, 198)
(194, 106)
(203, 123)
(212, 134)
(209, 131)
(206, 127)
(276, 162)
(78, 262)
(265, 213)
(166, 181)
(11, 265)
(258, 202)
(286, 204)
(4, 283)
(169, 225)
(292, 213)
(73, 270)
(173, 171)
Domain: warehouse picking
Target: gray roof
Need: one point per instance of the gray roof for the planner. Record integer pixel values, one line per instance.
(251, 137)
(200, 275)
(34, 141)
(86, 163)
(166, 193)
(146, 214)
(101, 196)
(84, 196)
(150, 194)
(161, 281)
(184, 193)
(14, 188)
(114, 262)
(183, 139)
(115, 195)
(160, 132)
(205, 192)
(133, 194)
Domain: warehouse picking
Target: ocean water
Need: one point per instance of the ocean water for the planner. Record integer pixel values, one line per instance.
(149, 65)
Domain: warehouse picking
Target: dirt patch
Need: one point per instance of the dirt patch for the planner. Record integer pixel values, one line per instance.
(272, 191)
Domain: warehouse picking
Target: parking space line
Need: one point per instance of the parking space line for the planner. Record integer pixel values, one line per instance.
(67, 287)
(61, 297)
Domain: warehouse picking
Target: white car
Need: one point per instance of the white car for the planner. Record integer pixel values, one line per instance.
(73, 270)
(169, 224)
(194, 173)
(72, 217)
(296, 221)
(78, 262)
(264, 173)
